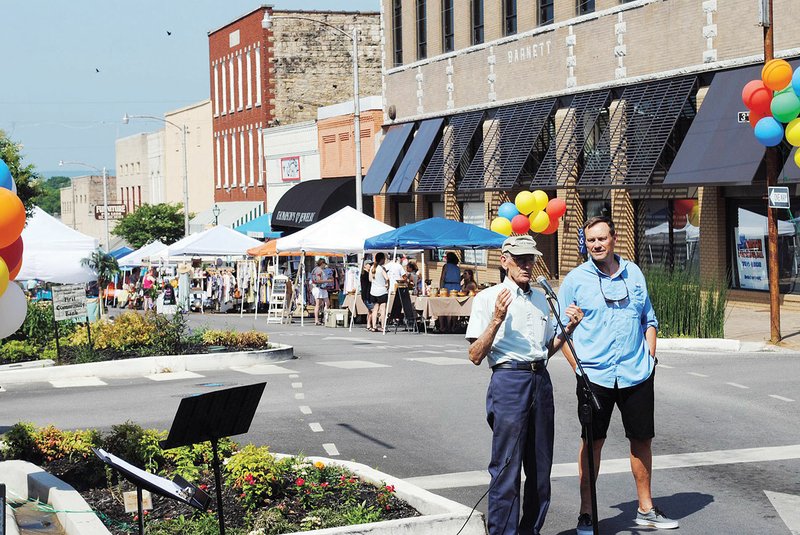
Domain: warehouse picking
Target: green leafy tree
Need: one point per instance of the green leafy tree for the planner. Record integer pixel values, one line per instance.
(50, 199)
(28, 181)
(105, 266)
(152, 222)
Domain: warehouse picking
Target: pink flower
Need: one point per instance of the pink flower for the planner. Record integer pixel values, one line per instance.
(323, 484)
(300, 482)
(389, 488)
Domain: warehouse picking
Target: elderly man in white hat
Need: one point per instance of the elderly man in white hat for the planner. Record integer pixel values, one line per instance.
(511, 325)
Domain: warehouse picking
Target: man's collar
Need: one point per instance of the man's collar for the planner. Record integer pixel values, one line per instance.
(621, 261)
(509, 283)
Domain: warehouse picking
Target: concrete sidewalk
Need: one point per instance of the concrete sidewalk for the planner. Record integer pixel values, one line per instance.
(750, 323)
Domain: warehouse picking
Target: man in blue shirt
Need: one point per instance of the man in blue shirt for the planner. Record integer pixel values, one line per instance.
(616, 344)
(510, 324)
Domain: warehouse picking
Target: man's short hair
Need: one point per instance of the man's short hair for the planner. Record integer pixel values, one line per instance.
(592, 221)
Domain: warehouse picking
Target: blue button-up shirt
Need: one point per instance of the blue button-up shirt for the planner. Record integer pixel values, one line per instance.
(610, 341)
(526, 330)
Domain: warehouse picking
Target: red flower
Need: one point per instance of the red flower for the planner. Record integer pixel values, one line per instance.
(389, 488)
(323, 484)
(300, 482)
(203, 486)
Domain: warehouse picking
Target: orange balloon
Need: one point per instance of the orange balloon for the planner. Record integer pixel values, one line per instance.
(552, 228)
(12, 217)
(776, 74)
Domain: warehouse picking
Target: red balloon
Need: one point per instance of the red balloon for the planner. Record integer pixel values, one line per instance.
(556, 208)
(12, 255)
(552, 227)
(520, 224)
(755, 117)
(678, 220)
(757, 96)
(14, 272)
(682, 206)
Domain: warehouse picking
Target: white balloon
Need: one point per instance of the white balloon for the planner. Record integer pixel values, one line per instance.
(13, 309)
(13, 186)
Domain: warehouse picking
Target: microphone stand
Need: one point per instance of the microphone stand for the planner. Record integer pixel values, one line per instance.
(585, 412)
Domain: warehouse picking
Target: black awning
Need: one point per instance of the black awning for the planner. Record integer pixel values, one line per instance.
(451, 153)
(312, 200)
(719, 149)
(426, 135)
(637, 134)
(507, 145)
(385, 161)
(569, 142)
(790, 172)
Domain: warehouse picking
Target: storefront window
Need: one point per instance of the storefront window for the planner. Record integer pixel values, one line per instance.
(475, 214)
(655, 247)
(405, 214)
(597, 208)
(749, 248)
(437, 210)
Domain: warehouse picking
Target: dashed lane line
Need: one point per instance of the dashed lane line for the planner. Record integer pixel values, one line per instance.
(316, 427)
(76, 382)
(299, 395)
(305, 409)
(297, 385)
(737, 385)
(330, 449)
(781, 398)
(354, 364)
(618, 466)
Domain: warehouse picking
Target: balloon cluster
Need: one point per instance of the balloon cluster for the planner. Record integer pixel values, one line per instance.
(773, 101)
(531, 210)
(13, 305)
(683, 210)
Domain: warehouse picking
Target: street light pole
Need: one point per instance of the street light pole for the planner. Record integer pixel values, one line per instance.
(126, 118)
(266, 23)
(105, 208)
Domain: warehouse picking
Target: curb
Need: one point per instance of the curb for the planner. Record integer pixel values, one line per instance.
(718, 345)
(441, 516)
(26, 479)
(150, 365)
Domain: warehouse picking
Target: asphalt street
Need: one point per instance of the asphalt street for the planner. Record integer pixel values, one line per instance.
(727, 451)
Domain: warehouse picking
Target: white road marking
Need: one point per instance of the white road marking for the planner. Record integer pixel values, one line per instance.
(315, 427)
(619, 466)
(305, 409)
(737, 385)
(464, 350)
(354, 364)
(300, 395)
(440, 361)
(173, 376)
(781, 398)
(427, 351)
(264, 369)
(665, 366)
(297, 385)
(695, 374)
(294, 375)
(77, 382)
(330, 449)
(788, 508)
(354, 339)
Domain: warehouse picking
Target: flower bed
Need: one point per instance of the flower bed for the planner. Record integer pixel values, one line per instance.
(262, 494)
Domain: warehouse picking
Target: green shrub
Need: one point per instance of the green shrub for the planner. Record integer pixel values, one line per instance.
(235, 339)
(18, 351)
(255, 473)
(190, 462)
(196, 524)
(686, 306)
(20, 443)
(136, 445)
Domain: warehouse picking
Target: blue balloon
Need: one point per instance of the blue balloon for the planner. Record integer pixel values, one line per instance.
(796, 81)
(769, 132)
(507, 210)
(6, 181)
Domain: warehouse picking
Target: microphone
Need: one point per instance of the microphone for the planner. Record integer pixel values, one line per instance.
(548, 290)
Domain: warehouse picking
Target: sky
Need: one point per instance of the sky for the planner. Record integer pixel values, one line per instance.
(55, 103)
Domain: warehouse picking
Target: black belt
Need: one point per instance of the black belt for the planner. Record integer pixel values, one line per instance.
(520, 365)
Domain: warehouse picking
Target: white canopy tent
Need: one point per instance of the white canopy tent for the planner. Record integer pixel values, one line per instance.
(692, 232)
(216, 241)
(344, 232)
(136, 258)
(53, 251)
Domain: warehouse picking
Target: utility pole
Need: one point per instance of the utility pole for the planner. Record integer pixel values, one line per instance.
(772, 178)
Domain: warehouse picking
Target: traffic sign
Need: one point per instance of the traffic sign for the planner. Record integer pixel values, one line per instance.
(115, 212)
(778, 197)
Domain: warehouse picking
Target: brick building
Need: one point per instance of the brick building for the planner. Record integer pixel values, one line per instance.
(264, 77)
(78, 202)
(619, 107)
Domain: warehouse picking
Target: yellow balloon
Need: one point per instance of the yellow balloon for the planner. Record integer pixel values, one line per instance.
(694, 216)
(525, 202)
(797, 157)
(4, 276)
(540, 221)
(501, 225)
(541, 200)
(793, 132)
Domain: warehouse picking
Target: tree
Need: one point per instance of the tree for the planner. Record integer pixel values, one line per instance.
(50, 199)
(152, 222)
(105, 266)
(28, 181)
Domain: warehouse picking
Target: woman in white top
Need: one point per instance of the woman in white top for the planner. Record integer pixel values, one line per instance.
(379, 291)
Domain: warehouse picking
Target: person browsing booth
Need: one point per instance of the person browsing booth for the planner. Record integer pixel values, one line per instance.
(511, 326)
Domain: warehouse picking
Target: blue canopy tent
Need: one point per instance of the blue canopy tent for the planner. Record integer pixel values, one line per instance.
(119, 253)
(260, 227)
(436, 233)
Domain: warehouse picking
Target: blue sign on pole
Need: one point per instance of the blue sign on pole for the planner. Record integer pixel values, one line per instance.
(581, 242)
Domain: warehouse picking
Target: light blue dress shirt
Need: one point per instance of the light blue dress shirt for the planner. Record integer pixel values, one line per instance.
(525, 332)
(610, 341)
